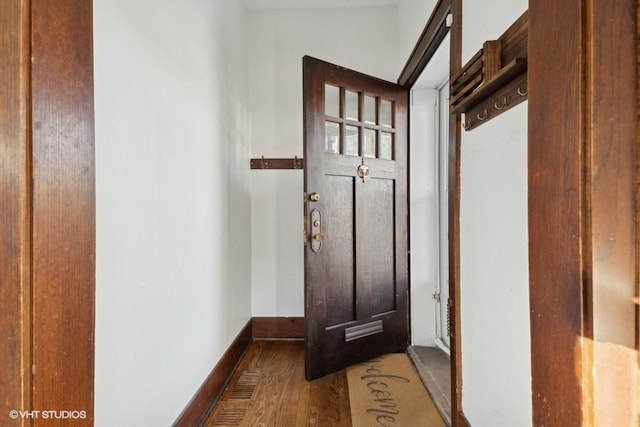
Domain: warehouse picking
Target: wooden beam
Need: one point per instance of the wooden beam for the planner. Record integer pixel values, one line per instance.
(432, 35)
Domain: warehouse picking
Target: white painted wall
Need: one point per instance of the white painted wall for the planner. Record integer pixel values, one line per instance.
(360, 38)
(173, 201)
(496, 367)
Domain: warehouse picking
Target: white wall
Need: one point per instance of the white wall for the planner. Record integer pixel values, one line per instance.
(361, 38)
(496, 367)
(173, 202)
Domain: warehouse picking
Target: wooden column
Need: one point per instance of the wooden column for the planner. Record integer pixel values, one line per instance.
(47, 207)
(582, 142)
(63, 208)
(610, 208)
(455, 143)
(15, 211)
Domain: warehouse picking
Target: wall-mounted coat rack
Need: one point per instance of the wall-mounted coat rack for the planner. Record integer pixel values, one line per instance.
(495, 78)
(264, 163)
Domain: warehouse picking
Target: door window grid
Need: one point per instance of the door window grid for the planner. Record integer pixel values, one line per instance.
(358, 124)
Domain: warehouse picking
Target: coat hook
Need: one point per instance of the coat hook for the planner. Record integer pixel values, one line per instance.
(505, 102)
(484, 116)
(265, 163)
(522, 92)
(466, 124)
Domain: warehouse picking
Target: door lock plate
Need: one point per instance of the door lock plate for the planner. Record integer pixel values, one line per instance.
(317, 237)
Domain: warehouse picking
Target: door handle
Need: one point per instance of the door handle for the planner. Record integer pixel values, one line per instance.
(317, 236)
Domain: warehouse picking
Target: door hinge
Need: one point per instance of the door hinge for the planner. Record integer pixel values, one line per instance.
(436, 296)
(449, 306)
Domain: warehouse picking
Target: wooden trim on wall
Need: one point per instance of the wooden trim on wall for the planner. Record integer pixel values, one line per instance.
(434, 32)
(210, 391)
(581, 211)
(63, 271)
(278, 328)
(15, 210)
(455, 142)
(637, 300)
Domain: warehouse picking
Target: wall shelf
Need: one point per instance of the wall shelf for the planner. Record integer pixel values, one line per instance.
(494, 79)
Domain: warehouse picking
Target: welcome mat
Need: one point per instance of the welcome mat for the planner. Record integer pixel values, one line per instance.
(387, 391)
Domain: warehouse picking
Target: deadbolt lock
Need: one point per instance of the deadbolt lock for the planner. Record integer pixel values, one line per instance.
(314, 197)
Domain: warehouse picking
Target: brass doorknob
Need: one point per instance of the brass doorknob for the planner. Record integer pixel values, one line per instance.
(318, 237)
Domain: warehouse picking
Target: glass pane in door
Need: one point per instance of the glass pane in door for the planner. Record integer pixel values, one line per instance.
(369, 143)
(331, 100)
(332, 137)
(385, 150)
(351, 140)
(370, 110)
(351, 105)
(386, 113)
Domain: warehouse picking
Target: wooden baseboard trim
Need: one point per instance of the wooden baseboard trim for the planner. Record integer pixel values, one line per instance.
(278, 328)
(198, 408)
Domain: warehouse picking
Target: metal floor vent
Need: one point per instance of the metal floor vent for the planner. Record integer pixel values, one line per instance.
(230, 415)
(245, 386)
(236, 401)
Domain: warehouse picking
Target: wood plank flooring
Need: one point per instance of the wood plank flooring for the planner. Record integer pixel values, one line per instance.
(269, 389)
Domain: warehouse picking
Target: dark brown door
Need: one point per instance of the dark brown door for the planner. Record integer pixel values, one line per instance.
(356, 267)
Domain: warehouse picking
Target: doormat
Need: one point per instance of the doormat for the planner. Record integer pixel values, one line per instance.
(387, 392)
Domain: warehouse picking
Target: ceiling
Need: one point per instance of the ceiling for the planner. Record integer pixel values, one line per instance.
(305, 4)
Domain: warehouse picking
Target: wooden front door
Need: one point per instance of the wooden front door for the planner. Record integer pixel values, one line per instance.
(356, 262)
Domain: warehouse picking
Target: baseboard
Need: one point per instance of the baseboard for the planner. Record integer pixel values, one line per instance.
(278, 328)
(198, 408)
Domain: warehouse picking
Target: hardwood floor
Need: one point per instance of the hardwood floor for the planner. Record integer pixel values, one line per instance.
(269, 389)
